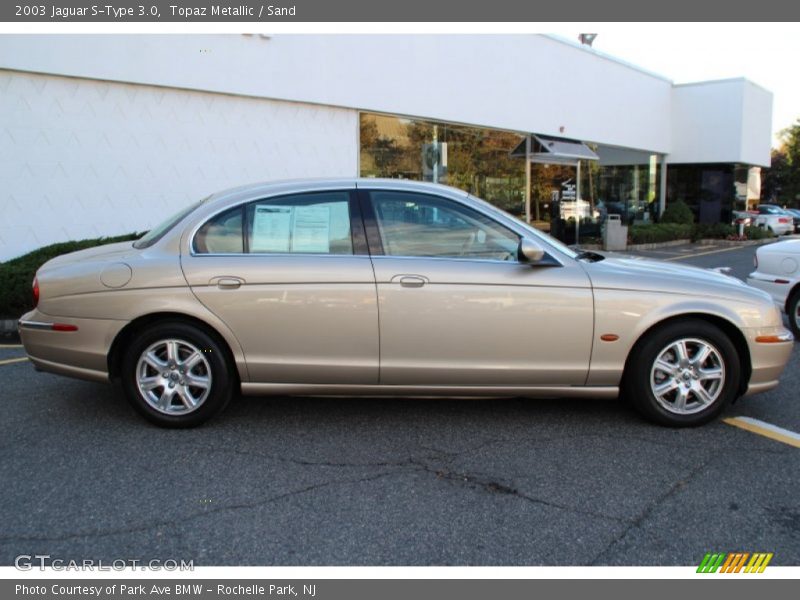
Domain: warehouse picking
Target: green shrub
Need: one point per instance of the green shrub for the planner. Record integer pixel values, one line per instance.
(16, 275)
(658, 232)
(712, 231)
(678, 212)
(757, 233)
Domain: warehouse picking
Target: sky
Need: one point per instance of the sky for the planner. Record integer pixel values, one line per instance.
(766, 53)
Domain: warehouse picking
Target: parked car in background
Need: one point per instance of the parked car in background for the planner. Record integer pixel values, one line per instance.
(778, 273)
(277, 289)
(796, 216)
(774, 218)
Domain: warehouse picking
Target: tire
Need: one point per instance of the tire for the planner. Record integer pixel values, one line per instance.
(793, 313)
(657, 380)
(184, 355)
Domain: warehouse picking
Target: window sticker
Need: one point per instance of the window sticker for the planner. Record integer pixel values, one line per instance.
(311, 229)
(272, 227)
(291, 229)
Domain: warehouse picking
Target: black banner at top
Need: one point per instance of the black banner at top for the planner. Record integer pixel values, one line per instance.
(266, 11)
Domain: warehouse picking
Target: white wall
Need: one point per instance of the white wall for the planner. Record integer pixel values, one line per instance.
(529, 83)
(82, 158)
(721, 121)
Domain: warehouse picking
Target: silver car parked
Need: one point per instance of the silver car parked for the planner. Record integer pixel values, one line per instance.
(385, 287)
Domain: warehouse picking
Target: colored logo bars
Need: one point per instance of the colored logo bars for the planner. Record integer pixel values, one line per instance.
(734, 562)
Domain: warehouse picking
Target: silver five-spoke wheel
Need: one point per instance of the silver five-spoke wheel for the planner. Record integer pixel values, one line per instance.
(173, 376)
(687, 376)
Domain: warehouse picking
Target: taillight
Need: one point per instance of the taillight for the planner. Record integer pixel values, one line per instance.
(783, 220)
(35, 292)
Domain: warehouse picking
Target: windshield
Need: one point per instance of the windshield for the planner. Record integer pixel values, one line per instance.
(773, 210)
(156, 233)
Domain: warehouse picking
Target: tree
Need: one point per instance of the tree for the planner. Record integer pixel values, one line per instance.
(781, 182)
(773, 178)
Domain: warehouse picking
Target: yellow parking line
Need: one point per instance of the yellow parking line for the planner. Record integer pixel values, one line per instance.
(704, 253)
(13, 360)
(10, 345)
(773, 432)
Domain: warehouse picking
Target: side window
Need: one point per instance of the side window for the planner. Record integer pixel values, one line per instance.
(221, 234)
(419, 225)
(317, 223)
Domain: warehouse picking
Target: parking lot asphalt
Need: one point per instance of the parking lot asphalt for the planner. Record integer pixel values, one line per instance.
(349, 481)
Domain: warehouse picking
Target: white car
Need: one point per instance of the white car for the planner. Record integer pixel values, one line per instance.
(774, 218)
(778, 273)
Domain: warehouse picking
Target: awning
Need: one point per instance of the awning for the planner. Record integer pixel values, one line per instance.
(549, 149)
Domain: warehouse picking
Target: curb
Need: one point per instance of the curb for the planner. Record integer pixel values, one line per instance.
(730, 243)
(657, 245)
(687, 242)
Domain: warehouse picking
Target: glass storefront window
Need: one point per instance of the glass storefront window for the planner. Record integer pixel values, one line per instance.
(480, 161)
(708, 189)
(473, 159)
(627, 190)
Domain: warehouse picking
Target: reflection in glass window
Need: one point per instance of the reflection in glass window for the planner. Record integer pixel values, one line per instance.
(315, 223)
(476, 160)
(419, 225)
(221, 234)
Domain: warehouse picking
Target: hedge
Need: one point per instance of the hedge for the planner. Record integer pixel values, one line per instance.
(667, 232)
(659, 232)
(16, 275)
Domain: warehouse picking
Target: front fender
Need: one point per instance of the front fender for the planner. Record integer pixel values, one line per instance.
(629, 314)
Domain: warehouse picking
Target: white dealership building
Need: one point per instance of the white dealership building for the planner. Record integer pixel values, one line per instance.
(108, 134)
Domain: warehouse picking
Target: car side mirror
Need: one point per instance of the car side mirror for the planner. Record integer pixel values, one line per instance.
(529, 251)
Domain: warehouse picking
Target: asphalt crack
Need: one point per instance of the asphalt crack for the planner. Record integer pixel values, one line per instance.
(494, 487)
(190, 517)
(636, 522)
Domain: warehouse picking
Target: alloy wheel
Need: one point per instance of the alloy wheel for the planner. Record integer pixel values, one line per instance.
(687, 376)
(173, 376)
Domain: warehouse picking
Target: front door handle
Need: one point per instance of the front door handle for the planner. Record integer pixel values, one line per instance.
(412, 281)
(227, 283)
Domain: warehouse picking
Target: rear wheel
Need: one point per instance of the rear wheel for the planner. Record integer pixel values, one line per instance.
(683, 374)
(176, 375)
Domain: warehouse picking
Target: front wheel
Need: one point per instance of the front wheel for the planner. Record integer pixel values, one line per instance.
(683, 374)
(176, 375)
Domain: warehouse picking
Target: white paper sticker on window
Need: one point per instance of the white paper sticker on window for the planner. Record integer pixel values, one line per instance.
(272, 227)
(311, 229)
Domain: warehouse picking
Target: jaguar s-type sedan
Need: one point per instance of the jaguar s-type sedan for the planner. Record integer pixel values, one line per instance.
(385, 287)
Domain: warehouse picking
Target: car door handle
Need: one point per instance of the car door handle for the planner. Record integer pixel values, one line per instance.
(412, 281)
(227, 283)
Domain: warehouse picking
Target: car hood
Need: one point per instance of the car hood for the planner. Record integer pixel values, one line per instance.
(114, 251)
(667, 278)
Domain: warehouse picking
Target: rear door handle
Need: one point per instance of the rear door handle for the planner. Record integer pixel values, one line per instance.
(227, 283)
(412, 281)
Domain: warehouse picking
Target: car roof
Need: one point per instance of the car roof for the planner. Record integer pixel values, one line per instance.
(270, 188)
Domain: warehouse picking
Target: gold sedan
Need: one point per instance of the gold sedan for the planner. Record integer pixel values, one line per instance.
(385, 287)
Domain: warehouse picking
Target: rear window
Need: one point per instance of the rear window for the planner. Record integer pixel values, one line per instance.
(155, 234)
